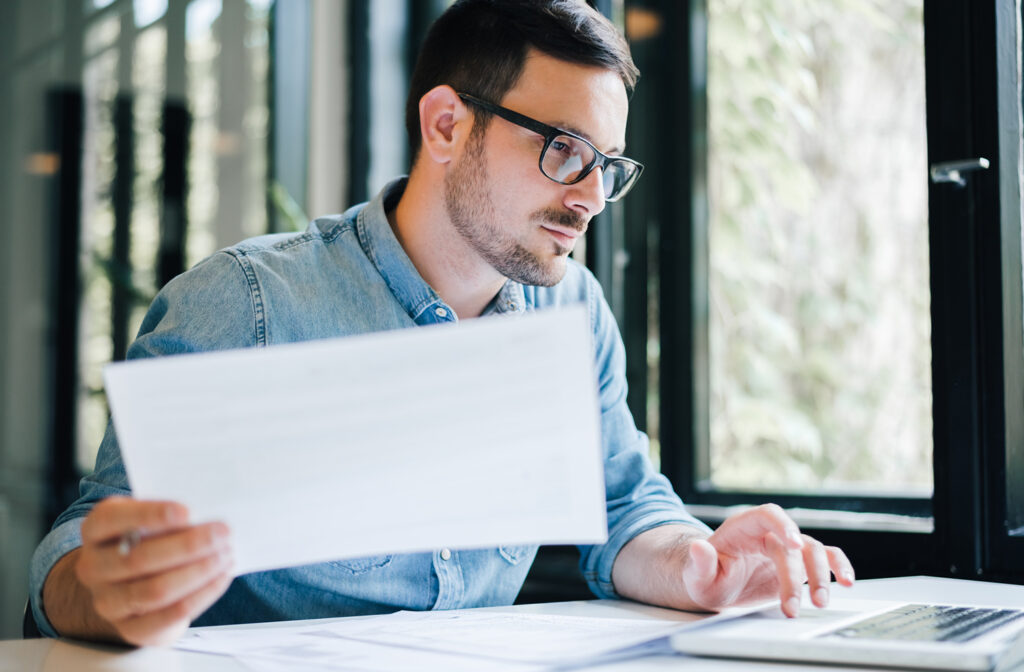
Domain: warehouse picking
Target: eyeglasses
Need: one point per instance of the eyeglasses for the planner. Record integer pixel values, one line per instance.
(566, 157)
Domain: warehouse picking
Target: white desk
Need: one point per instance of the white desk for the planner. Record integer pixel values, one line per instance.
(62, 656)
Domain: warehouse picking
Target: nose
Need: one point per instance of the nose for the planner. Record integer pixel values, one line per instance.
(587, 195)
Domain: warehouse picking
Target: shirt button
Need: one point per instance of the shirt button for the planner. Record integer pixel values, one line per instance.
(441, 312)
(446, 554)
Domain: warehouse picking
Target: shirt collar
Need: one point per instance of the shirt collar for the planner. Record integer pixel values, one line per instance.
(511, 299)
(414, 294)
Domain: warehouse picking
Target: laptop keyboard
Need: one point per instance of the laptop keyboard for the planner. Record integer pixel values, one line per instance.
(929, 623)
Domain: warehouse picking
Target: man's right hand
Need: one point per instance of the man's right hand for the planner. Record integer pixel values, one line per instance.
(146, 593)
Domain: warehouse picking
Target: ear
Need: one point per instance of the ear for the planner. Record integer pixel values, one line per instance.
(444, 121)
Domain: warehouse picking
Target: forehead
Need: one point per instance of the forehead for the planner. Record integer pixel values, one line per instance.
(585, 99)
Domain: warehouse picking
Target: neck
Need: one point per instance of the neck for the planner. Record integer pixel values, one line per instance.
(443, 258)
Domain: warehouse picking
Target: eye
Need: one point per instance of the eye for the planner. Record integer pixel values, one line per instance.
(560, 146)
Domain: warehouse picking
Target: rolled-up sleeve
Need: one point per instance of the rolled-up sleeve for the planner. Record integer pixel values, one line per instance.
(639, 498)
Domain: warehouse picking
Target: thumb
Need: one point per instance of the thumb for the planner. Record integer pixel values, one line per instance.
(703, 563)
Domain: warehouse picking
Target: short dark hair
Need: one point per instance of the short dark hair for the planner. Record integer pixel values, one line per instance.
(479, 47)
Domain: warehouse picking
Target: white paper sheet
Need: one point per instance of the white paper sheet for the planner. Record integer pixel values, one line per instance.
(271, 651)
(473, 435)
(512, 637)
(472, 639)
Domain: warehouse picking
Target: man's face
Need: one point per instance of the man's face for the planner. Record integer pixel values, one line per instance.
(521, 223)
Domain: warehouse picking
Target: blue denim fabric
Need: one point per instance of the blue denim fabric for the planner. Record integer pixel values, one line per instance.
(348, 274)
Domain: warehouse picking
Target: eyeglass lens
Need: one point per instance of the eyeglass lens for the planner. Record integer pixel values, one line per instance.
(566, 157)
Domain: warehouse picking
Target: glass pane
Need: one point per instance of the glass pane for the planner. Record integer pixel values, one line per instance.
(102, 33)
(227, 51)
(256, 122)
(148, 11)
(227, 55)
(819, 298)
(388, 88)
(99, 88)
(148, 85)
(202, 47)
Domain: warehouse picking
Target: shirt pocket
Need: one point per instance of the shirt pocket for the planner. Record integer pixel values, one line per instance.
(363, 565)
(514, 554)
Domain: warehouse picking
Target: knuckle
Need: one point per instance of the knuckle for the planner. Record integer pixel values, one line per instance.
(139, 597)
(103, 605)
(814, 546)
(179, 611)
(190, 542)
(211, 564)
(155, 591)
(106, 507)
(131, 602)
(100, 507)
(85, 569)
(91, 523)
(197, 540)
(134, 562)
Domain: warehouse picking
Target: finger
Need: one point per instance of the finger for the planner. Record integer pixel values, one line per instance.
(115, 516)
(135, 598)
(154, 554)
(754, 524)
(816, 564)
(789, 571)
(166, 625)
(840, 565)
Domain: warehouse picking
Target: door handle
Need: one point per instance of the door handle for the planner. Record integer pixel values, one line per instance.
(953, 171)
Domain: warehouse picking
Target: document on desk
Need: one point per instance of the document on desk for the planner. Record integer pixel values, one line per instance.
(469, 639)
(472, 435)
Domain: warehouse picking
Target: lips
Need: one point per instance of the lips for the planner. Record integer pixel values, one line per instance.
(566, 237)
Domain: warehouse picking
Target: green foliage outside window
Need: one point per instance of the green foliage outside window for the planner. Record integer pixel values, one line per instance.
(819, 290)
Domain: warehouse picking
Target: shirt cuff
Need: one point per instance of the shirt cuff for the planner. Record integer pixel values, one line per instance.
(599, 575)
(61, 540)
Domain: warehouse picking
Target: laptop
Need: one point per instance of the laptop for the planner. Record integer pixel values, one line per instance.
(874, 633)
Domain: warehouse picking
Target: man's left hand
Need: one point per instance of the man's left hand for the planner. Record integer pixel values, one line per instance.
(755, 555)
(760, 554)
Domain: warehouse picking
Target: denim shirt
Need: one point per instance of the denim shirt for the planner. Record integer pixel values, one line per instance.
(345, 275)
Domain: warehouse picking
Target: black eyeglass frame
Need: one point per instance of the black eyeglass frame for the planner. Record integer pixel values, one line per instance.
(549, 133)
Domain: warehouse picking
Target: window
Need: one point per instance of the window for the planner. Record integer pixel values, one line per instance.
(825, 327)
(136, 130)
(173, 164)
(819, 350)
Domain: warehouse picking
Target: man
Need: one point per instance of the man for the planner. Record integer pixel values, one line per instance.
(517, 117)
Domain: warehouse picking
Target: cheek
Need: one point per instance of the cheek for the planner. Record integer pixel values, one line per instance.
(516, 187)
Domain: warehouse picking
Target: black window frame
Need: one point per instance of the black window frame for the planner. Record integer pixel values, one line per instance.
(975, 263)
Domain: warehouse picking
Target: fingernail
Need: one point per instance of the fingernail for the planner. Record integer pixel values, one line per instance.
(848, 576)
(821, 597)
(795, 539)
(793, 607)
